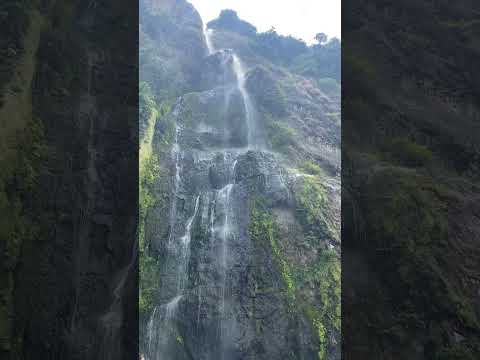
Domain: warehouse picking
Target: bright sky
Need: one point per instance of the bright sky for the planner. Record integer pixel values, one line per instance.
(299, 18)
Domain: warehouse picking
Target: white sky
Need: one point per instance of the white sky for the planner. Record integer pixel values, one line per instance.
(299, 18)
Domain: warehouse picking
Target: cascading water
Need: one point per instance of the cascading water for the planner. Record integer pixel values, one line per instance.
(176, 154)
(162, 333)
(160, 325)
(208, 40)
(247, 102)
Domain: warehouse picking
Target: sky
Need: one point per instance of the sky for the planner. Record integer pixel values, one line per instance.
(299, 18)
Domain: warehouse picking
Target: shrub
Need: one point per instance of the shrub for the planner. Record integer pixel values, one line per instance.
(409, 153)
(281, 135)
(312, 168)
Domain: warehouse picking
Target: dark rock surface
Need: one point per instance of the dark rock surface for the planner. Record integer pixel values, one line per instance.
(73, 292)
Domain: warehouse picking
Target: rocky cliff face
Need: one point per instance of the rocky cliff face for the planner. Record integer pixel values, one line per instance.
(239, 196)
(409, 203)
(68, 199)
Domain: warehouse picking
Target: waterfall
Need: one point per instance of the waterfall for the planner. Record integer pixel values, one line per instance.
(185, 251)
(176, 184)
(160, 326)
(247, 102)
(208, 40)
(221, 228)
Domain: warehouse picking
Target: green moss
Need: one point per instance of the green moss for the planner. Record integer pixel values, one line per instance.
(151, 173)
(324, 275)
(317, 323)
(312, 209)
(149, 269)
(263, 229)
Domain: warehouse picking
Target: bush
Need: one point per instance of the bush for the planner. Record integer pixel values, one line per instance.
(281, 136)
(312, 168)
(409, 153)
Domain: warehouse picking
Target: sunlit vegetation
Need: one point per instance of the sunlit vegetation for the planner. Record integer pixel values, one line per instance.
(324, 275)
(281, 136)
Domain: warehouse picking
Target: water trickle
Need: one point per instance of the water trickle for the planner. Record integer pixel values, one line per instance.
(176, 154)
(240, 73)
(188, 231)
(171, 307)
(184, 248)
(160, 328)
(224, 199)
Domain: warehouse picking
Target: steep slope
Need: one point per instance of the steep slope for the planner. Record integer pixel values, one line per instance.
(240, 200)
(410, 196)
(67, 231)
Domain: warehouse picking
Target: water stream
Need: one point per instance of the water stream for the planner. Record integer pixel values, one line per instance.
(239, 70)
(208, 40)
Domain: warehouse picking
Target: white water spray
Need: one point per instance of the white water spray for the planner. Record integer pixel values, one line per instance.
(188, 231)
(176, 155)
(247, 102)
(208, 40)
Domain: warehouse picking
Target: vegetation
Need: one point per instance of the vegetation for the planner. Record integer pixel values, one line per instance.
(408, 153)
(17, 181)
(151, 173)
(410, 228)
(269, 96)
(281, 136)
(229, 20)
(323, 275)
(282, 48)
(264, 230)
(312, 208)
(321, 60)
(149, 270)
(312, 168)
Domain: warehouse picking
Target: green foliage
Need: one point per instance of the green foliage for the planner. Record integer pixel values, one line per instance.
(320, 61)
(152, 117)
(312, 208)
(229, 20)
(279, 48)
(149, 269)
(149, 283)
(409, 153)
(263, 229)
(316, 321)
(281, 136)
(311, 168)
(324, 275)
(149, 174)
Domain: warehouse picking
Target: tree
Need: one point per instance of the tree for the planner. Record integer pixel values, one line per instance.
(321, 38)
